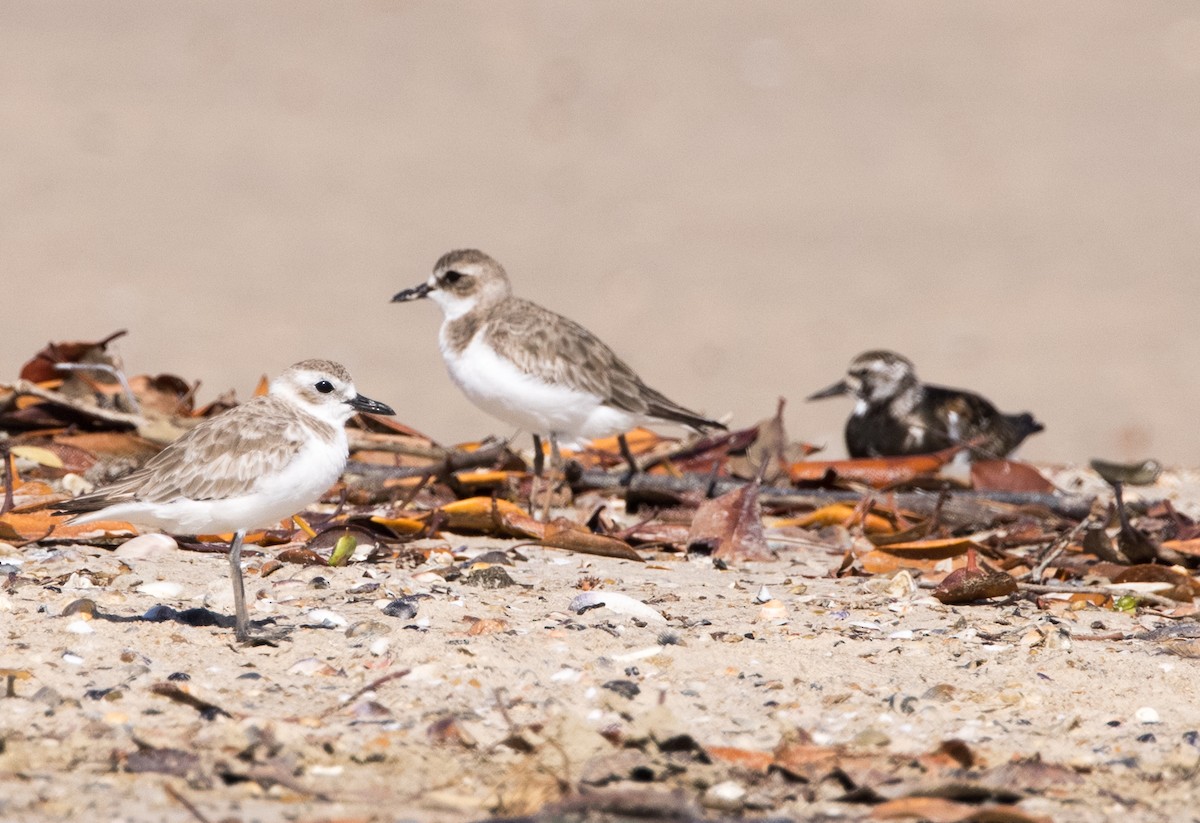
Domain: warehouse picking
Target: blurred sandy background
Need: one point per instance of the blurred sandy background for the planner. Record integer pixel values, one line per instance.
(738, 196)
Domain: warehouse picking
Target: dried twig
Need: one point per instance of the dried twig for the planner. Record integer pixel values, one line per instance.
(964, 503)
(178, 797)
(119, 418)
(1066, 588)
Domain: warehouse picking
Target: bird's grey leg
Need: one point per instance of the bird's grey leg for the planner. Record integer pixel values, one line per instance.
(539, 458)
(552, 485)
(627, 455)
(242, 620)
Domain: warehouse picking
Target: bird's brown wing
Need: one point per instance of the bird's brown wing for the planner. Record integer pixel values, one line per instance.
(220, 458)
(558, 350)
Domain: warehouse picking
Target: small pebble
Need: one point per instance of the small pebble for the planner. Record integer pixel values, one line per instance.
(179, 676)
(404, 608)
(163, 589)
(1146, 715)
(72, 658)
(310, 666)
(379, 646)
(326, 619)
(773, 611)
(84, 607)
(367, 628)
(80, 627)
(725, 796)
(617, 602)
(763, 596)
(626, 688)
(490, 577)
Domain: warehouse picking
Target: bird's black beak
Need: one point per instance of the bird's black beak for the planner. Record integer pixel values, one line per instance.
(840, 387)
(415, 293)
(366, 404)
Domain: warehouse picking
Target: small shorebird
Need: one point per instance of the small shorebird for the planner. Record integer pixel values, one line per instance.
(897, 414)
(533, 368)
(250, 467)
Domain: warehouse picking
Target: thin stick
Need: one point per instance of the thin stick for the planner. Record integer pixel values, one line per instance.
(178, 797)
(241, 618)
(1064, 588)
(8, 479)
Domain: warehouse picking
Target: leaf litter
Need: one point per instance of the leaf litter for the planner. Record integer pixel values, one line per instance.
(758, 633)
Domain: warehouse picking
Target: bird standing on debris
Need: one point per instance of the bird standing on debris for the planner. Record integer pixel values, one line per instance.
(533, 368)
(896, 414)
(247, 468)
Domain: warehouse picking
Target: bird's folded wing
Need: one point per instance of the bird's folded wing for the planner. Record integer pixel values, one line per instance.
(213, 461)
(558, 350)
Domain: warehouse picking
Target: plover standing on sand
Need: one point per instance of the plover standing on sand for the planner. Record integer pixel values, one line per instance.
(533, 368)
(248, 468)
(896, 414)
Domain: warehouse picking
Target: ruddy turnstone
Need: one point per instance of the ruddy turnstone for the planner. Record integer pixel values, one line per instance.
(533, 368)
(250, 467)
(897, 414)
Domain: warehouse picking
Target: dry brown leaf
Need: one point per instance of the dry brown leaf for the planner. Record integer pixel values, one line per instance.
(492, 516)
(730, 527)
(1008, 476)
(879, 472)
(563, 534)
(931, 549)
(838, 514)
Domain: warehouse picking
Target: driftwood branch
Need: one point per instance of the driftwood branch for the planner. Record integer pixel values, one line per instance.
(958, 504)
(445, 463)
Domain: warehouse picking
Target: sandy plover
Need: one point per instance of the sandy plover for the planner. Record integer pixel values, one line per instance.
(897, 414)
(533, 368)
(250, 467)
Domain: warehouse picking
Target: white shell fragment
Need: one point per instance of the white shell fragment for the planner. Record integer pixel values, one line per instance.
(326, 619)
(161, 589)
(1146, 715)
(619, 603)
(146, 547)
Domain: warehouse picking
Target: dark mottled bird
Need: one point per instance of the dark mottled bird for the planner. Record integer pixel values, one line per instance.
(896, 414)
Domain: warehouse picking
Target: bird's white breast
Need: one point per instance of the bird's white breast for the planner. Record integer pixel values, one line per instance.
(496, 385)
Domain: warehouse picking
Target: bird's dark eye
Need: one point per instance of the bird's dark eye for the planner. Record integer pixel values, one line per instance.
(452, 277)
(324, 387)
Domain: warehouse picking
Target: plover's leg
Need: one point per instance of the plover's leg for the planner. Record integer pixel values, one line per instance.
(539, 458)
(627, 455)
(242, 620)
(556, 465)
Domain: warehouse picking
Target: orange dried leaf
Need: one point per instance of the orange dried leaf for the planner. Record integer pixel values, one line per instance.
(40, 525)
(227, 537)
(400, 525)
(640, 441)
(880, 562)
(875, 471)
(486, 514)
(483, 477)
(837, 514)
(1188, 547)
(931, 549)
